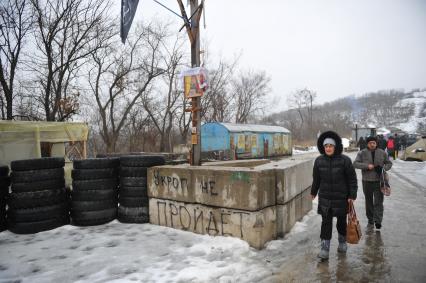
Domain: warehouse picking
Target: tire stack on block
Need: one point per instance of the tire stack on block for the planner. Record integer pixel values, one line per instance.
(4, 191)
(39, 200)
(94, 191)
(133, 193)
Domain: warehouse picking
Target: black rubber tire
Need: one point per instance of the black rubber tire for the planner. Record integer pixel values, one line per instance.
(38, 185)
(4, 182)
(37, 175)
(4, 187)
(94, 195)
(3, 225)
(4, 171)
(133, 182)
(37, 198)
(133, 215)
(133, 201)
(79, 206)
(37, 164)
(96, 163)
(142, 160)
(94, 174)
(133, 171)
(37, 226)
(2, 211)
(38, 213)
(89, 218)
(100, 184)
(133, 191)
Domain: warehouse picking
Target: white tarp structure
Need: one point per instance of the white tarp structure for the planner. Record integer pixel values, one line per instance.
(21, 139)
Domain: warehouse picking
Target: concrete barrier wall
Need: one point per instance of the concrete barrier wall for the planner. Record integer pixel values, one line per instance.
(292, 178)
(257, 227)
(171, 182)
(256, 204)
(228, 187)
(292, 211)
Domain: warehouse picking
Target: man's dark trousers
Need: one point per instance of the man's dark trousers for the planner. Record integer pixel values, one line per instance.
(373, 201)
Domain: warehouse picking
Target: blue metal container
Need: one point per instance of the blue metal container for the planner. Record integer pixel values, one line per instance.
(245, 140)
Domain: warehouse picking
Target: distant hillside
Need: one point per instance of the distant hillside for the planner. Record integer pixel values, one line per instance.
(392, 108)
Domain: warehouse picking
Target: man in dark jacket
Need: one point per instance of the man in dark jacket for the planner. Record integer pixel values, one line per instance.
(397, 142)
(381, 142)
(361, 143)
(371, 161)
(334, 180)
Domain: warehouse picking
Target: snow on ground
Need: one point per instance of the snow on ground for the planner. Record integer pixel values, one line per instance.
(345, 142)
(418, 101)
(309, 149)
(118, 252)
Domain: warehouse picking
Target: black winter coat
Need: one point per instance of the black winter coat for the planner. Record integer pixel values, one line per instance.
(334, 178)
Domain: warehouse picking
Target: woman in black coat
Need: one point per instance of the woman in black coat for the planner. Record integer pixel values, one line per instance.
(334, 180)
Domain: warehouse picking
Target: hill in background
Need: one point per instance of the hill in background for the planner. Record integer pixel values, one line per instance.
(390, 109)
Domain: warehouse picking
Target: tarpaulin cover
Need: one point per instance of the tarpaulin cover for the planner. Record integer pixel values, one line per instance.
(21, 139)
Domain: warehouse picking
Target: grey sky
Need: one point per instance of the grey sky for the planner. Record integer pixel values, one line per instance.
(333, 47)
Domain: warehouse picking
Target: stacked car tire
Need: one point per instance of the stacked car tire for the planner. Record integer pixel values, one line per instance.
(39, 199)
(94, 191)
(133, 193)
(4, 191)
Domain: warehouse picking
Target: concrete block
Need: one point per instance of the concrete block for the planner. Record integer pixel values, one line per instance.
(236, 188)
(292, 179)
(171, 182)
(306, 201)
(256, 227)
(286, 217)
(298, 207)
(242, 189)
(239, 163)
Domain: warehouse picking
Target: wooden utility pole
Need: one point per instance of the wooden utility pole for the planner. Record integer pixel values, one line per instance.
(196, 101)
(192, 25)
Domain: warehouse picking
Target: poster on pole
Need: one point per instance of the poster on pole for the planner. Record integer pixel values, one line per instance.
(195, 82)
(128, 10)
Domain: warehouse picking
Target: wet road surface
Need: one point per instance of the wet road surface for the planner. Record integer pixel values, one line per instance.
(396, 253)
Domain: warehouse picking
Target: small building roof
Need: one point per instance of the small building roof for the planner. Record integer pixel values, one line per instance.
(254, 128)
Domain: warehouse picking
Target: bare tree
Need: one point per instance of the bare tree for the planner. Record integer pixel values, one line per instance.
(248, 93)
(163, 109)
(120, 77)
(302, 101)
(15, 23)
(67, 33)
(216, 104)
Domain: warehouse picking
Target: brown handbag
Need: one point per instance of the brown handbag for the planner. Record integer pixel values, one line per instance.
(353, 231)
(384, 183)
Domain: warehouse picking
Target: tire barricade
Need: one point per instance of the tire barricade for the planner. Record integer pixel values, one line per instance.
(34, 197)
(38, 200)
(94, 193)
(4, 191)
(133, 192)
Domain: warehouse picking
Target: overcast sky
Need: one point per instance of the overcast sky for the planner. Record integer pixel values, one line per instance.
(334, 47)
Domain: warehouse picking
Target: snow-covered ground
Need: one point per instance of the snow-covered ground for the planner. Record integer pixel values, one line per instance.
(118, 252)
(130, 252)
(418, 101)
(311, 149)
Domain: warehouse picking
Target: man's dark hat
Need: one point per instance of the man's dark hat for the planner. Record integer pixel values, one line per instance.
(369, 139)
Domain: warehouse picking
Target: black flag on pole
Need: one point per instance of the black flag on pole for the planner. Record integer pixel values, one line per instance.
(128, 10)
